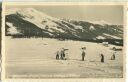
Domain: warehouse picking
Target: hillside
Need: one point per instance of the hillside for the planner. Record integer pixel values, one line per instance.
(29, 22)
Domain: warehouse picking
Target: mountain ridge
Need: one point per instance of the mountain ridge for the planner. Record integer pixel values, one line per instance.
(30, 22)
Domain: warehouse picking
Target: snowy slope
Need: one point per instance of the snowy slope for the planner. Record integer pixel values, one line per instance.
(35, 17)
(21, 60)
(29, 21)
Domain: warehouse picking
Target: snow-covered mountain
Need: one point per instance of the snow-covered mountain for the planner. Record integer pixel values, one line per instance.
(30, 22)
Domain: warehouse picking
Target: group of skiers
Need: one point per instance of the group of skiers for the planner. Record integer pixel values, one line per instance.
(102, 57)
(60, 55)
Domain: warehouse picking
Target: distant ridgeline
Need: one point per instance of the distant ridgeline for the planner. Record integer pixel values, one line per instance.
(21, 24)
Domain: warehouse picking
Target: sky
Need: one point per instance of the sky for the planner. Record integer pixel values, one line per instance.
(110, 13)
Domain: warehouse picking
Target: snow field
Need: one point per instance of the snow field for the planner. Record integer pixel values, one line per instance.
(35, 58)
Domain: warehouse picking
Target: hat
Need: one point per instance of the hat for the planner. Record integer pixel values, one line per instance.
(83, 48)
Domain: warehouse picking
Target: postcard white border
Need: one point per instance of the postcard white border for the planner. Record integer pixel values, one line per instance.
(64, 79)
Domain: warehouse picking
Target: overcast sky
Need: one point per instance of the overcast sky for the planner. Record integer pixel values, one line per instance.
(109, 13)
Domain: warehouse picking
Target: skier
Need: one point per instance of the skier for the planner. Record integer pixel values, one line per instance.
(62, 54)
(57, 55)
(102, 58)
(113, 56)
(83, 53)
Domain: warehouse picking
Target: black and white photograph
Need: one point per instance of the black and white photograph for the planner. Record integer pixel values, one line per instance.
(64, 41)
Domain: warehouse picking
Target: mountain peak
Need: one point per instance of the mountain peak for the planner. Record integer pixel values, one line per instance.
(27, 12)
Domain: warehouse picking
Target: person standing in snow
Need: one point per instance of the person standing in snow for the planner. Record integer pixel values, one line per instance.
(62, 56)
(102, 58)
(57, 55)
(83, 53)
(113, 56)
